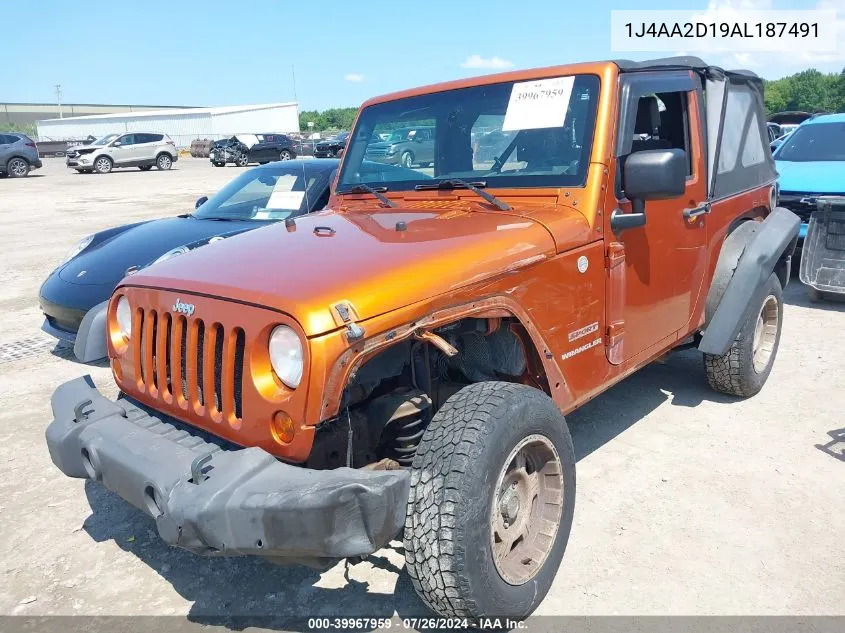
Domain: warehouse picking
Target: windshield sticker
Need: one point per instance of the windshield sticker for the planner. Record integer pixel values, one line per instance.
(285, 200)
(538, 104)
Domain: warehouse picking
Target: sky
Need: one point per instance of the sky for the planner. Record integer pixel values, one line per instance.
(213, 52)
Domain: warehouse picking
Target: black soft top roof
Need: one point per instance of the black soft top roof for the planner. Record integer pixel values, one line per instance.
(686, 62)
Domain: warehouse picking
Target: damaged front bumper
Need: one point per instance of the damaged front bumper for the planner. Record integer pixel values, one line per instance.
(212, 499)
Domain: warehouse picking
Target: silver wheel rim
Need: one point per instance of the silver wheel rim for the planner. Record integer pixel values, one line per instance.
(407, 161)
(102, 164)
(765, 333)
(164, 162)
(18, 167)
(284, 156)
(526, 510)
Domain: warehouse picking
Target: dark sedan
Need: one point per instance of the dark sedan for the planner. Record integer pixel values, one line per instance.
(75, 295)
(331, 146)
(252, 148)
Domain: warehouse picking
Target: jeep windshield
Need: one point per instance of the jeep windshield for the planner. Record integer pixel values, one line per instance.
(545, 136)
(265, 193)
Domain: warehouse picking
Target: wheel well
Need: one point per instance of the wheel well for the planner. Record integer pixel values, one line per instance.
(13, 157)
(399, 388)
(164, 153)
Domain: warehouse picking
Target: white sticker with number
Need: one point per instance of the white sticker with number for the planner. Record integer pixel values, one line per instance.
(538, 104)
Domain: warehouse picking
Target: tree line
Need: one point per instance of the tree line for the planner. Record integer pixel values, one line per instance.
(331, 119)
(808, 91)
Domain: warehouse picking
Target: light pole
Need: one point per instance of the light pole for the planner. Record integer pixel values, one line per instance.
(59, 99)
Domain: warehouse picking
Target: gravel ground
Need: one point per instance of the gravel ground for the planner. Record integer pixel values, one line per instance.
(688, 502)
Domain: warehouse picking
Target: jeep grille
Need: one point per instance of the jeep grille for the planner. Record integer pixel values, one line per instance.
(182, 357)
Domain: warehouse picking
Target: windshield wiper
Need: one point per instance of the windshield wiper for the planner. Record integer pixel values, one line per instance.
(475, 187)
(376, 191)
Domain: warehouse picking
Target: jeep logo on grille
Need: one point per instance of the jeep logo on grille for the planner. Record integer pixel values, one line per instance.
(184, 308)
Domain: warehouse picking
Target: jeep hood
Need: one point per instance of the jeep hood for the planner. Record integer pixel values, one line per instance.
(357, 257)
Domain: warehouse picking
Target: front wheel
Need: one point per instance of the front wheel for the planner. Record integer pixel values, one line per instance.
(745, 367)
(406, 160)
(164, 162)
(242, 160)
(103, 165)
(491, 503)
(17, 168)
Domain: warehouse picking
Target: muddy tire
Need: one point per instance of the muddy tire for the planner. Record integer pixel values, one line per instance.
(493, 476)
(745, 367)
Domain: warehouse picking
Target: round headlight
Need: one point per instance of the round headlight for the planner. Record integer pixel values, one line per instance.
(173, 252)
(286, 355)
(80, 246)
(123, 315)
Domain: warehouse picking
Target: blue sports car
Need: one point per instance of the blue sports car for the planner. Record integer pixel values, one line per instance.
(74, 296)
(811, 163)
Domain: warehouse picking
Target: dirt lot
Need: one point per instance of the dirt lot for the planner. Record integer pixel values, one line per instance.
(688, 502)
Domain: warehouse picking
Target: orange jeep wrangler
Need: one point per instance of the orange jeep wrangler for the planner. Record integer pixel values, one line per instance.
(402, 363)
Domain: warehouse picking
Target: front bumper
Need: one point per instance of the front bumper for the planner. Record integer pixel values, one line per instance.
(213, 499)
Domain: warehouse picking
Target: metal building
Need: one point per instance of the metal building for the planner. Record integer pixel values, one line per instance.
(182, 125)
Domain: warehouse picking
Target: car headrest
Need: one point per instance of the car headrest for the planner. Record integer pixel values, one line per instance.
(648, 116)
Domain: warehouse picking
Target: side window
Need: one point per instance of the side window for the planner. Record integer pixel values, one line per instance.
(663, 123)
(5, 140)
(127, 139)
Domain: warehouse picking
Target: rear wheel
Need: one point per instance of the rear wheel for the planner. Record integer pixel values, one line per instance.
(17, 167)
(285, 155)
(145, 167)
(103, 165)
(491, 503)
(164, 162)
(745, 367)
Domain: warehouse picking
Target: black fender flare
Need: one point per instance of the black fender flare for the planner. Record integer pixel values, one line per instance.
(749, 256)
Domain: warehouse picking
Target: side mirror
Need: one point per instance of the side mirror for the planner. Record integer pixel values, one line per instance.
(201, 201)
(653, 174)
(117, 143)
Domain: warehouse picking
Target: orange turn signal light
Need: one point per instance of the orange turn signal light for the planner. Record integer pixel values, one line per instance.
(282, 428)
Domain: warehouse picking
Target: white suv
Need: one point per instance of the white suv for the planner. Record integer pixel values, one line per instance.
(135, 149)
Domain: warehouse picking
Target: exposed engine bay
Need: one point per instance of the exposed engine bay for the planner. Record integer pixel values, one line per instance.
(392, 397)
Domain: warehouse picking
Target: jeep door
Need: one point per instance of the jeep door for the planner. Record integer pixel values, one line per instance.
(656, 270)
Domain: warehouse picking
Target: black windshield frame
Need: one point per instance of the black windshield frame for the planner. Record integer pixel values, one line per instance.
(444, 106)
